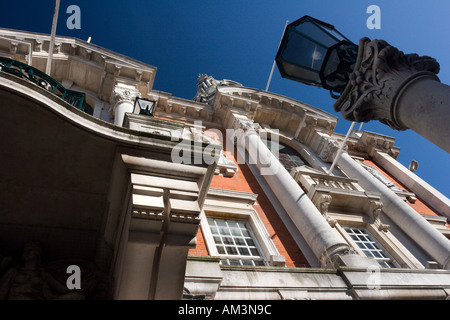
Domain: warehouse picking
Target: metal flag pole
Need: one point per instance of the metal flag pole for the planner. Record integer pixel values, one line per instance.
(340, 148)
(48, 70)
(360, 127)
(274, 62)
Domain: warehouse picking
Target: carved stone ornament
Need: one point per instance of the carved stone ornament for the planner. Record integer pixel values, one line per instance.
(123, 92)
(246, 124)
(377, 174)
(329, 150)
(380, 75)
(323, 203)
(375, 208)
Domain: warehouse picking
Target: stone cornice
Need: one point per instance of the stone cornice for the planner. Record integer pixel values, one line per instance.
(97, 127)
(182, 110)
(272, 100)
(104, 67)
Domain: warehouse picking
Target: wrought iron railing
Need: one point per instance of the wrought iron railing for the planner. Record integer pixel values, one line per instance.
(22, 70)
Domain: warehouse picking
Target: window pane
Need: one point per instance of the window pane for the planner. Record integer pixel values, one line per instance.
(234, 238)
(220, 223)
(224, 231)
(236, 232)
(232, 224)
(244, 251)
(361, 245)
(287, 156)
(247, 262)
(250, 242)
(232, 250)
(377, 254)
(227, 240)
(369, 246)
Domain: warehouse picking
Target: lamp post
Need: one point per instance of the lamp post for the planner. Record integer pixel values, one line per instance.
(371, 81)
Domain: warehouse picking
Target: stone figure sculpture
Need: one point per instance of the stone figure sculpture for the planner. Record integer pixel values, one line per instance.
(30, 279)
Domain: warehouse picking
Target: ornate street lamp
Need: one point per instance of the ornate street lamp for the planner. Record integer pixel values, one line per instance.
(371, 81)
(144, 106)
(315, 53)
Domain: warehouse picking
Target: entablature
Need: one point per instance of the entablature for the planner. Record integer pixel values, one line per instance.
(86, 65)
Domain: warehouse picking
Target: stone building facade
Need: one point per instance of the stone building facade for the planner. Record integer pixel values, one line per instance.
(226, 196)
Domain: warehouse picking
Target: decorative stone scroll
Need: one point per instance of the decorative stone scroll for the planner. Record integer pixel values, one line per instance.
(375, 208)
(380, 75)
(323, 203)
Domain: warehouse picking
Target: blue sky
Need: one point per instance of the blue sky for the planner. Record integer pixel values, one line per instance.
(238, 40)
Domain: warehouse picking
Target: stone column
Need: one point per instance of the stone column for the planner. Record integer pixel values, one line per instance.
(400, 90)
(124, 96)
(323, 240)
(421, 188)
(406, 218)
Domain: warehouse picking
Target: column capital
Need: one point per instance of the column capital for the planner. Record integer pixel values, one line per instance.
(245, 124)
(381, 74)
(124, 92)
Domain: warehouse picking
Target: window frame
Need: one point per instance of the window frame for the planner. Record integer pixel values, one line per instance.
(401, 256)
(236, 205)
(238, 257)
(377, 246)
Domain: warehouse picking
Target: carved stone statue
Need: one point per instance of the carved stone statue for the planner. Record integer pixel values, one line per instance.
(207, 87)
(30, 279)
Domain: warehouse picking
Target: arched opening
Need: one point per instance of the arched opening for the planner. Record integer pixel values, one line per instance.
(287, 156)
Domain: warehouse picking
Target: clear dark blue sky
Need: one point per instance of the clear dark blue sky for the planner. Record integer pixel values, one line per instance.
(238, 39)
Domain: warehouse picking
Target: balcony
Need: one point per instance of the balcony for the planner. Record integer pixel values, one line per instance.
(24, 71)
(334, 193)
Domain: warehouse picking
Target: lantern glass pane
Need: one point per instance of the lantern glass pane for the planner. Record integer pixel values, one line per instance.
(144, 106)
(315, 32)
(337, 35)
(304, 52)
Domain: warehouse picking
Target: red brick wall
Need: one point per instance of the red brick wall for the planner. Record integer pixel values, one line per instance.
(201, 248)
(245, 181)
(420, 206)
